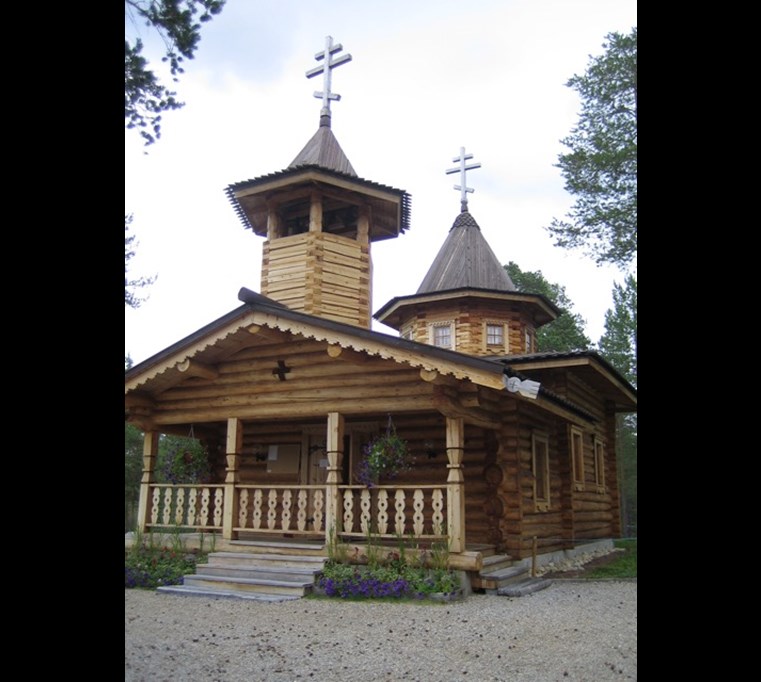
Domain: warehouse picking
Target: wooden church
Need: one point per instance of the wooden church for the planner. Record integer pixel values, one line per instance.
(513, 449)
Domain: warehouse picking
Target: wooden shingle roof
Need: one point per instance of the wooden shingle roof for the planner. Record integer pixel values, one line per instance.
(466, 260)
(323, 150)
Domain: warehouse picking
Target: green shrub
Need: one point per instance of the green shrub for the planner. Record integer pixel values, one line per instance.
(151, 567)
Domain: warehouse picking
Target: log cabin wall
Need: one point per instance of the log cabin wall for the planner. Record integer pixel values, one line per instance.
(320, 274)
(591, 510)
(502, 477)
(611, 475)
(545, 525)
(470, 317)
(315, 383)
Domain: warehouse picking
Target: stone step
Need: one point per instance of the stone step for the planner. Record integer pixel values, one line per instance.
(225, 594)
(523, 587)
(247, 585)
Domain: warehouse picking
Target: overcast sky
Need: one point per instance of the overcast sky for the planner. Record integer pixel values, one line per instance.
(426, 78)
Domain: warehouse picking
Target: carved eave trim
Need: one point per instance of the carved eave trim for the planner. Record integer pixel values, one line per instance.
(492, 379)
(171, 361)
(318, 178)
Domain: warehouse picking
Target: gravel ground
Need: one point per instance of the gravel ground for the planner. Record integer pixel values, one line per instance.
(570, 631)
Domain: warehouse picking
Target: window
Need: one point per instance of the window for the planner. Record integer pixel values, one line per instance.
(528, 341)
(599, 465)
(441, 335)
(407, 334)
(495, 335)
(577, 458)
(540, 453)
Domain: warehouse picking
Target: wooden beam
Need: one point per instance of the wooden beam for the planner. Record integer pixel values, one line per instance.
(451, 408)
(335, 351)
(136, 399)
(429, 375)
(197, 369)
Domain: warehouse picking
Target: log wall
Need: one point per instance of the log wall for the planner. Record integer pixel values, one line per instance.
(470, 318)
(320, 274)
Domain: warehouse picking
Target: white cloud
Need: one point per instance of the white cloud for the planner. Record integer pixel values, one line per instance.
(427, 77)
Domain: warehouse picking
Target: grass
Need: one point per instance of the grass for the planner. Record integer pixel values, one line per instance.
(623, 566)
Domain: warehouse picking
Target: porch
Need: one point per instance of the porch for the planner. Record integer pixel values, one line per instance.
(326, 515)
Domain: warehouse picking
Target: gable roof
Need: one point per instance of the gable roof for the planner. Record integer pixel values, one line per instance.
(217, 340)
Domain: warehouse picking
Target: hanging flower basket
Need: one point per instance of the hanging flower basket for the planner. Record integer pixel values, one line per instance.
(384, 457)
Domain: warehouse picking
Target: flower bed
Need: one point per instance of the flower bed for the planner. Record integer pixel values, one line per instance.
(349, 581)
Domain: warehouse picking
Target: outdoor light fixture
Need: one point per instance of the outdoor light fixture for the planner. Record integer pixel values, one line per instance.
(525, 387)
(430, 449)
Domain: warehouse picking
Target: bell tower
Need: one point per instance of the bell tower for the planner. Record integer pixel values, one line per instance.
(320, 219)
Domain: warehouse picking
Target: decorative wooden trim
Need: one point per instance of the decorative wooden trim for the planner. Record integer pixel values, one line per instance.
(576, 451)
(540, 468)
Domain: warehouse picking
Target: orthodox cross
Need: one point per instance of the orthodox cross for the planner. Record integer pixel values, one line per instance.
(464, 189)
(325, 69)
(281, 370)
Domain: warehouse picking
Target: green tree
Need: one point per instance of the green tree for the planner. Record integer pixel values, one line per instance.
(600, 170)
(131, 286)
(177, 23)
(619, 342)
(618, 345)
(565, 333)
(133, 469)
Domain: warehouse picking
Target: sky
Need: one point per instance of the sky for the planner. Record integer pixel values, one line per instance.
(426, 78)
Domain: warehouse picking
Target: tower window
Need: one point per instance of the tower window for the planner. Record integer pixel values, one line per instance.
(495, 335)
(441, 335)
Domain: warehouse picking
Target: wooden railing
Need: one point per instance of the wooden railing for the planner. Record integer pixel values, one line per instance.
(384, 511)
(390, 511)
(281, 509)
(189, 506)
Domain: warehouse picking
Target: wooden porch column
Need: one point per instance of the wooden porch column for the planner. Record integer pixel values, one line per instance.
(455, 485)
(334, 445)
(150, 451)
(234, 445)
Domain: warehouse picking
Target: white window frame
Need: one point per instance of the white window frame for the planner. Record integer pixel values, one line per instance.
(438, 325)
(501, 345)
(540, 468)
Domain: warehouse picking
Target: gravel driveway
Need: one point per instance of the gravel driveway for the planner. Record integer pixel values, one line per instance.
(572, 630)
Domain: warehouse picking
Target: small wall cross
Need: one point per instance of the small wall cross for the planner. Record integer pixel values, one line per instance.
(464, 189)
(326, 69)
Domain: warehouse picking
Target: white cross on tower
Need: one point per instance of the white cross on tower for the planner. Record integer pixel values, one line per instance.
(326, 69)
(464, 189)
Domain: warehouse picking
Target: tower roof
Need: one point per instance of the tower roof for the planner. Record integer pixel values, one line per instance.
(323, 150)
(466, 260)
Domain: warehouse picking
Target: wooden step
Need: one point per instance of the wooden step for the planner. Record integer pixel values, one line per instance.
(274, 572)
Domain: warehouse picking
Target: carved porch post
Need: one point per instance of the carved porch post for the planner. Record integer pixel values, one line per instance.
(455, 485)
(150, 451)
(334, 445)
(234, 445)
